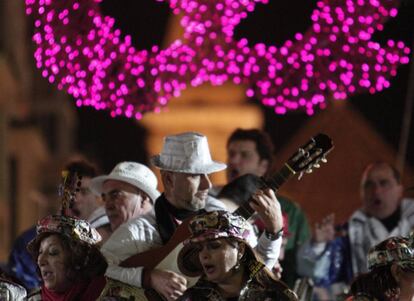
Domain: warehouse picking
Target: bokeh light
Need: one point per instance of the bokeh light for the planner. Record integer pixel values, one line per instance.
(80, 50)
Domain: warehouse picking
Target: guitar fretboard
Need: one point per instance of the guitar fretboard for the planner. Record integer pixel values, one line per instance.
(245, 210)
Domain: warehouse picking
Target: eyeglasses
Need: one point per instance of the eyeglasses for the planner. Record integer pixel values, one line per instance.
(117, 194)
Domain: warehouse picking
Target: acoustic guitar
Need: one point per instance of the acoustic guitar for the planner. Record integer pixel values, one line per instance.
(304, 160)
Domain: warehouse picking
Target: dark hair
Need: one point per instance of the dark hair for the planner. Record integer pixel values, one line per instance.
(85, 260)
(264, 277)
(241, 189)
(264, 144)
(250, 260)
(82, 167)
(378, 284)
(394, 170)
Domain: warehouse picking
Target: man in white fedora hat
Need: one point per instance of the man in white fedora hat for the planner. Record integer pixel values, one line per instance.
(185, 164)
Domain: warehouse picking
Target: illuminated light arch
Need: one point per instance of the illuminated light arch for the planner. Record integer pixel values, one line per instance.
(80, 51)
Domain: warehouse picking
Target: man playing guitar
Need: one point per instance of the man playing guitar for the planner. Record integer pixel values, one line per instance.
(185, 163)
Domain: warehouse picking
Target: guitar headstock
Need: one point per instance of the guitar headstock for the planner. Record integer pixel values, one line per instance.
(311, 154)
(71, 183)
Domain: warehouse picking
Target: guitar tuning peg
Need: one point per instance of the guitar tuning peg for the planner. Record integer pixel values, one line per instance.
(316, 165)
(324, 160)
(309, 170)
(300, 175)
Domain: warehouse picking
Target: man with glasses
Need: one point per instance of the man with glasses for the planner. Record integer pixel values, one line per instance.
(129, 191)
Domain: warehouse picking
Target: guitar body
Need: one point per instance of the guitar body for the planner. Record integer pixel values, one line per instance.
(165, 257)
(116, 290)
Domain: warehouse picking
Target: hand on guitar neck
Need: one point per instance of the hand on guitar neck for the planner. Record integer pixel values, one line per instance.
(265, 203)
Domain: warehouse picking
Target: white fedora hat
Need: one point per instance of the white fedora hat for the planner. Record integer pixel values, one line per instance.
(188, 153)
(133, 173)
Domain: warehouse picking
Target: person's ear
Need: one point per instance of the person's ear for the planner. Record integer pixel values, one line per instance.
(400, 190)
(146, 201)
(166, 178)
(263, 167)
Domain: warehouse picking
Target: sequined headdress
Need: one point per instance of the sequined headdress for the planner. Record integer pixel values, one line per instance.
(210, 226)
(73, 228)
(397, 249)
(218, 224)
(70, 227)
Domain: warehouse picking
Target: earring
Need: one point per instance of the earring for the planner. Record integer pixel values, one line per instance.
(237, 266)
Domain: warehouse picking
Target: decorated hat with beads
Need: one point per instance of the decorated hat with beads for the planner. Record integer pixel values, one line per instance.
(73, 228)
(218, 224)
(397, 249)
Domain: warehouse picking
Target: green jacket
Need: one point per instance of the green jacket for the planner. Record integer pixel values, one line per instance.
(299, 233)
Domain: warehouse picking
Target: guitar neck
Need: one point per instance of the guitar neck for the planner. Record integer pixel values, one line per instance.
(277, 180)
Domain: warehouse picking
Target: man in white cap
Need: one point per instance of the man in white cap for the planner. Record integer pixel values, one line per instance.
(185, 163)
(129, 191)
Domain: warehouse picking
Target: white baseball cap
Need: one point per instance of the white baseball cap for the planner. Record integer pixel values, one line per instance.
(136, 174)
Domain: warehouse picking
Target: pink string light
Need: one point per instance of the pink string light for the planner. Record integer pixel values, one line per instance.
(80, 51)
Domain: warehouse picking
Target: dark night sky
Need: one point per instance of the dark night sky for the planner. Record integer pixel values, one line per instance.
(145, 21)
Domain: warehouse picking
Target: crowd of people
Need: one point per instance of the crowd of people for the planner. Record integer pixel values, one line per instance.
(123, 239)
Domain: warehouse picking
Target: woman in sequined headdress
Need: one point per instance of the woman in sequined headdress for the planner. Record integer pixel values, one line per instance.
(69, 263)
(391, 272)
(229, 268)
